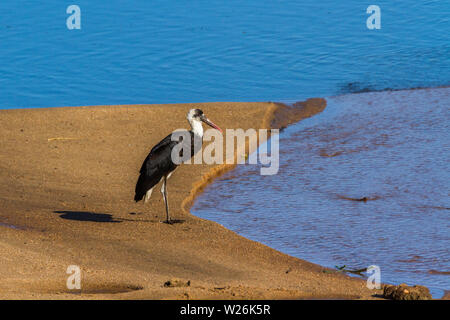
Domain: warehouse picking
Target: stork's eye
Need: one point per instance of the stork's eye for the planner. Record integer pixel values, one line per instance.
(198, 113)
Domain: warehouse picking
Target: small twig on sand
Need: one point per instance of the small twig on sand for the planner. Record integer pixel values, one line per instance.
(60, 138)
(357, 271)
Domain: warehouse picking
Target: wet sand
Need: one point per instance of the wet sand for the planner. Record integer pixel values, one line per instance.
(67, 178)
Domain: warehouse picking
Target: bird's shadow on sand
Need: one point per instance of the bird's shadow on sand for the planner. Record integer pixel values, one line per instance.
(87, 216)
(103, 217)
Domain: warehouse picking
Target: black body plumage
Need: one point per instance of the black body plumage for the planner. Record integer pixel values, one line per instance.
(159, 163)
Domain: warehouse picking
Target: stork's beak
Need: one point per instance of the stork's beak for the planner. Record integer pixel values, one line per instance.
(210, 123)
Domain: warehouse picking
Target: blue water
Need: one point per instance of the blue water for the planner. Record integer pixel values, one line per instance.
(196, 51)
(392, 148)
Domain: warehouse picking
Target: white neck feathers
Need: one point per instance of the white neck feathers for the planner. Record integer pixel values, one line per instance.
(197, 127)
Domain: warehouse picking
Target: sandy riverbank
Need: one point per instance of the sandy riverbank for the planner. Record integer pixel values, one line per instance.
(67, 179)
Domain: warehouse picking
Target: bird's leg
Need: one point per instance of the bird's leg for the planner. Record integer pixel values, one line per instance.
(164, 192)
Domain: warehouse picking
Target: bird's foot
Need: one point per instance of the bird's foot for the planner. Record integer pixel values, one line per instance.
(172, 221)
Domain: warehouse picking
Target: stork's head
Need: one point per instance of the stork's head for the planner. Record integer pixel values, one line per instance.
(197, 115)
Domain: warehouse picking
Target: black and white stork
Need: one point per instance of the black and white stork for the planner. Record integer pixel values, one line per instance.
(159, 165)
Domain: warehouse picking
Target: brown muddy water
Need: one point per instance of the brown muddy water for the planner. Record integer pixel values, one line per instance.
(366, 182)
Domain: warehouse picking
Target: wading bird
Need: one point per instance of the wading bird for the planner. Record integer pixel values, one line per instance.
(159, 165)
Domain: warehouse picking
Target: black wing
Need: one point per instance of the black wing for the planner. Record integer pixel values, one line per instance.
(157, 164)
